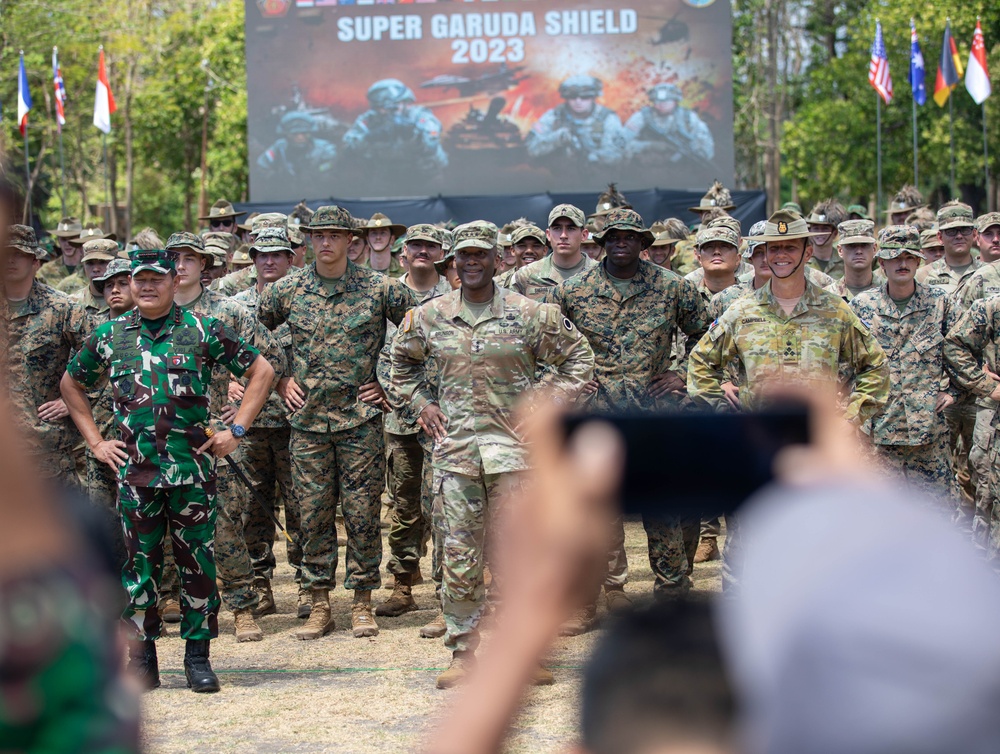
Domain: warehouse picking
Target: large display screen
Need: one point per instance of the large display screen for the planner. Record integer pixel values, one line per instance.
(481, 97)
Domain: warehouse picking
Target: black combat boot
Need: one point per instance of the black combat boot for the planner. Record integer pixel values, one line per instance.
(198, 670)
(142, 663)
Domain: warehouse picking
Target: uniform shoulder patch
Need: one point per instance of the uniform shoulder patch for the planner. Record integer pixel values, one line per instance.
(568, 324)
(407, 323)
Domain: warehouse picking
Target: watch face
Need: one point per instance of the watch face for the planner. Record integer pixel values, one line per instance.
(238, 431)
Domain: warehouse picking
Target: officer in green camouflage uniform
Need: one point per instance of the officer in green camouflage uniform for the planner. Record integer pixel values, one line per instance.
(566, 233)
(486, 343)
(65, 264)
(160, 360)
(630, 311)
(337, 314)
(43, 328)
(910, 436)
(856, 249)
(96, 256)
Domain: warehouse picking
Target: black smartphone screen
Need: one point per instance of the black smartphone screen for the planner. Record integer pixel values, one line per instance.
(699, 464)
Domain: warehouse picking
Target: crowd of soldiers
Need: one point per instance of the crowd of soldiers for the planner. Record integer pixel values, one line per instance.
(334, 361)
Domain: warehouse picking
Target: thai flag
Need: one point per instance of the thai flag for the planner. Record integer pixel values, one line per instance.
(60, 88)
(878, 69)
(23, 97)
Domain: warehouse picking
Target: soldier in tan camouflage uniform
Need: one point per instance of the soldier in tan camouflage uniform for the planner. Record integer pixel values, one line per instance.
(630, 311)
(931, 245)
(43, 329)
(76, 279)
(823, 222)
(856, 249)
(910, 436)
(566, 232)
(96, 256)
(486, 343)
(337, 313)
(380, 232)
(64, 265)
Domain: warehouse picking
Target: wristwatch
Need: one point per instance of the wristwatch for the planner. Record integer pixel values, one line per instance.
(237, 430)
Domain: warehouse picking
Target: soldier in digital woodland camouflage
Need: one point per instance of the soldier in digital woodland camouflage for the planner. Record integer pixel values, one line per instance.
(43, 329)
(486, 344)
(630, 311)
(336, 313)
(96, 256)
(910, 436)
(160, 360)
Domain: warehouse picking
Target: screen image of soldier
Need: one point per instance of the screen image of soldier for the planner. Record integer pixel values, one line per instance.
(579, 129)
(666, 132)
(298, 157)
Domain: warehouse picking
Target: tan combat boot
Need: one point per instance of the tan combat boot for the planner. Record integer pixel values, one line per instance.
(361, 615)
(401, 599)
(542, 677)
(266, 605)
(304, 606)
(435, 629)
(708, 549)
(616, 599)
(461, 665)
(170, 610)
(320, 621)
(580, 623)
(246, 627)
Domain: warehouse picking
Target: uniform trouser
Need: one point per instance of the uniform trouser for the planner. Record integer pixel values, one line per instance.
(993, 539)
(407, 531)
(231, 556)
(617, 575)
(351, 463)
(432, 515)
(269, 467)
(926, 468)
(102, 490)
(711, 528)
(979, 459)
(188, 513)
(467, 505)
(692, 531)
(667, 556)
(961, 419)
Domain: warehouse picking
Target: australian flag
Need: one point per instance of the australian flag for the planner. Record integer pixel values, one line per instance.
(916, 67)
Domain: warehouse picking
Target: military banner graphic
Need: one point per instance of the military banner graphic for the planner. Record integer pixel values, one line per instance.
(484, 97)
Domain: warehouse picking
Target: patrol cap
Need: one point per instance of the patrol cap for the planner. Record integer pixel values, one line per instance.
(665, 93)
(727, 221)
(381, 222)
(103, 249)
(571, 213)
(896, 240)
(856, 231)
(988, 220)
(154, 260)
(68, 227)
(222, 210)
(859, 210)
(22, 238)
(332, 217)
(721, 233)
(268, 239)
(479, 234)
(447, 239)
(116, 266)
(185, 240)
(753, 238)
(529, 231)
(929, 239)
(90, 233)
(625, 219)
(268, 220)
(423, 232)
(295, 237)
(783, 225)
(955, 214)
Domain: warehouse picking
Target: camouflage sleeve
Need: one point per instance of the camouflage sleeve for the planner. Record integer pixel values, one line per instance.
(633, 126)
(355, 135)
(77, 325)
(963, 350)
(518, 282)
(399, 299)
(228, 349)
(92, 359)
(408, 376)
(561, 345)
(962, 299)
(271, 311)
(544, 137)
(871, 373)
(614, 141)
(699, 137)
(706, 367)
(692, 313)
(265, 342)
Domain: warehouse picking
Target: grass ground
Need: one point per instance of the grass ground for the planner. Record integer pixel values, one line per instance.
(341, 694)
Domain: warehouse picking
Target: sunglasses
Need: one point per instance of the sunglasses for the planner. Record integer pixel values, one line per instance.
(221, 223)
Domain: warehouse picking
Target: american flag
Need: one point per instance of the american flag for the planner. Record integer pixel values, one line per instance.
(57, 83)
(878, 69)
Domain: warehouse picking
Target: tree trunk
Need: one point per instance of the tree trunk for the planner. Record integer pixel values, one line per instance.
(129, 155)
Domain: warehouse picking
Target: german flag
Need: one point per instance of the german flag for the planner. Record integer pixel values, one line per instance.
(950, 69)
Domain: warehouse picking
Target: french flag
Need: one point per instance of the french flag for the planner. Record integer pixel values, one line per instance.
(23, 97)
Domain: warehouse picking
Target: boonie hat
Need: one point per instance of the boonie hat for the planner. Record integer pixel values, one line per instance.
(898, 239)
(332, 217)
(625, 219)
(22, 238)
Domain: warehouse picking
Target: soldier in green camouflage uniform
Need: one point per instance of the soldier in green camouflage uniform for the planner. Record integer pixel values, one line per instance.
(380, 232)
(337, 314)
(43, 329)
(630, 311)
(910, 436)
(68, 256)
(96, 256)
(856, 249)
(160, 369)
(565, 234)
(486, 343)
(823, 222)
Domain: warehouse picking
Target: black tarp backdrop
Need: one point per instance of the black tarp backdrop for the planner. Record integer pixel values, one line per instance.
(651, 204)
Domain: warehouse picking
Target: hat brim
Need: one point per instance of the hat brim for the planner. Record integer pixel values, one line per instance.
(65, 233)
(647, 235)
(725, 207)
(106, 278)
(855, 239)
(102, 256)
(898, 253)
(787, 236)
(232, 215)
(423, 237)
(396, 229)
(315, 228)
(151, 268)
(958, 224)
(36, 251)
(904, 209)
(81, 241)
(473, 244)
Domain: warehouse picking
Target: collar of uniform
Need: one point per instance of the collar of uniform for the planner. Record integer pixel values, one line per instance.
(440, 288)
(174, 317)
(454, 307)
(642, 281)
(812, 296)
(349, 281)
(940, 267)
(919, 301)
(33, 305)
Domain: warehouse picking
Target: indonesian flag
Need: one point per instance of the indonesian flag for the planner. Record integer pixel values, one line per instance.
(977, 75)
(104, 101)
(23, 97)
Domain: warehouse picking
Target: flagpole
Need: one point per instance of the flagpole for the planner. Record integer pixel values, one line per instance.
(878, 149)
(916, 180)
(951, 126)
(62, 174)
(986, 160)
(107, 183)
(27, 179)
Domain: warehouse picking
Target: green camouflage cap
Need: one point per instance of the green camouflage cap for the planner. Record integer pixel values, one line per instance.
(185, 240)
(479, 234)
(856, 231)
(295, 237)
(571, 213)
(859, 210)
(718, 232)
(423, 232)
(529, 231)
(332, 217)
(116, 266)
(898, 239)
(269, 239)
(985, 221)
(447, 239)
(219, 240)
(955, 214)
(783, 225)
(792, 207)
(103, 249)
(929, 239)
(268, 220)
(22, 238)
(154, 260)
(625, 219)
(753, 238)
(727, 222)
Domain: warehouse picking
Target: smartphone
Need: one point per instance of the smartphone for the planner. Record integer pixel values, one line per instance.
(699, 464)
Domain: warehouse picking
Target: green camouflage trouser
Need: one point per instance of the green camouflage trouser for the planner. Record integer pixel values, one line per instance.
(188, 512)
(408, 530)
(231, 557)
(269, 467)
(667, 556)
(926, 468)
(465, 505)
(433, 525)
(351, 464)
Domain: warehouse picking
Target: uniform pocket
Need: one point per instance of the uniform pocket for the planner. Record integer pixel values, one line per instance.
(182, 376)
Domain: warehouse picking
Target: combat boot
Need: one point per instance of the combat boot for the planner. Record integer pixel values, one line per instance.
(266, 605)
(320, 621)
(304, 606)
(462, 664)
(581, 621)
(142, 663)
(616, 598)
(201, 679)
(708, 549)
(401, 599)
(170, 610)
(435, 629)
(246, 627)
(542, 677)
(361, 615)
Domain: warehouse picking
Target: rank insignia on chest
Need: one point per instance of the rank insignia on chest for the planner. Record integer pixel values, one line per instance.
(478, 346)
